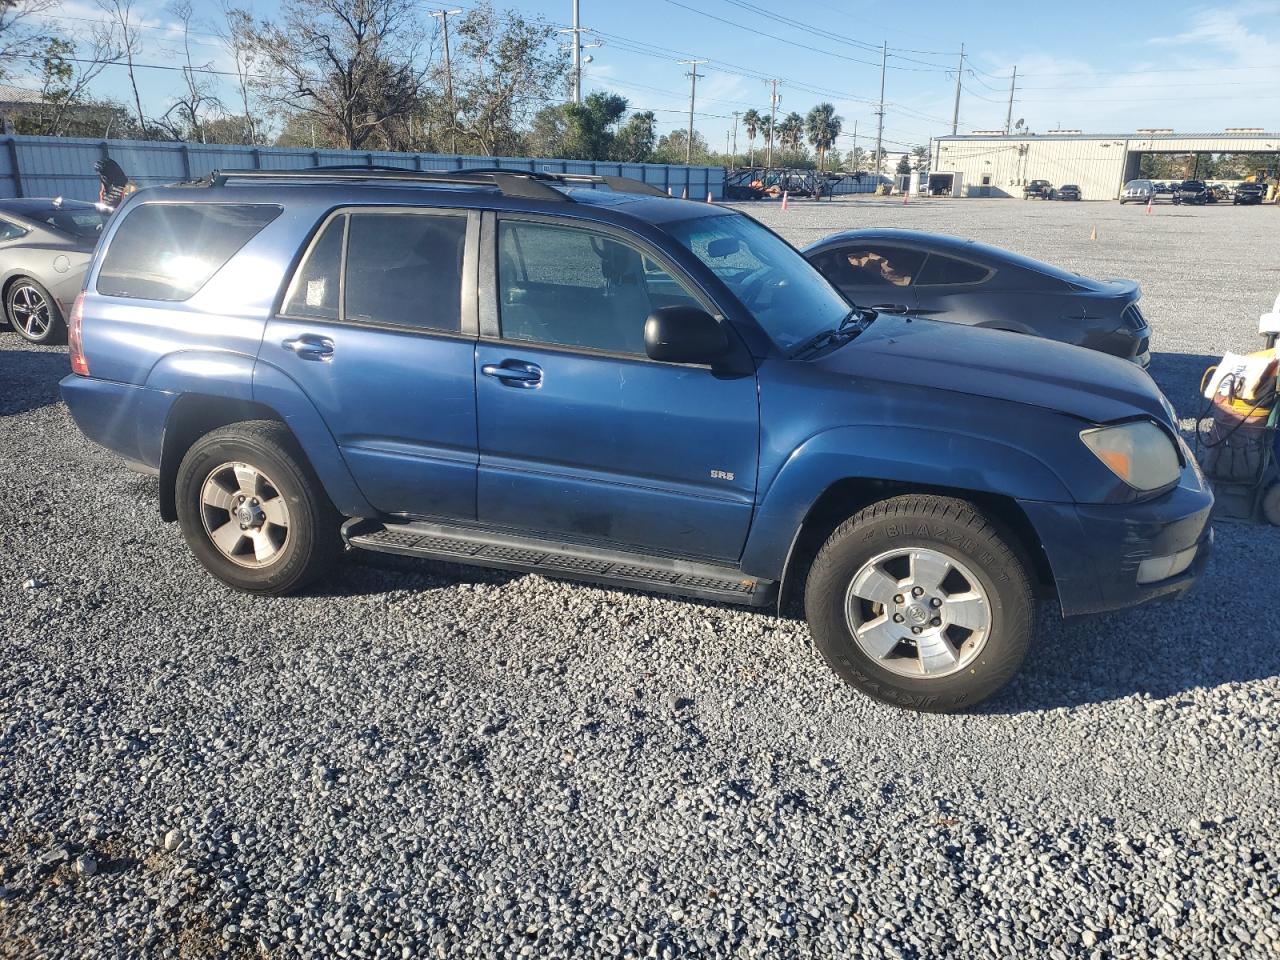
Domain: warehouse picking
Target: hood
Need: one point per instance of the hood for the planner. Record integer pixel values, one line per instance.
(1000, 366)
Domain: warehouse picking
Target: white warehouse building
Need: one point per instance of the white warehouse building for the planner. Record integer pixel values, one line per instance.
(996, 164)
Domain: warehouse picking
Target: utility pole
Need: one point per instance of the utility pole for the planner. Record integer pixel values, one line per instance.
(577, 55)
(955, 113)
(693, 93)
(736, 115)
(1013, 85)
(854, 156)
(444, 16)
(884, 59)
(773, 116)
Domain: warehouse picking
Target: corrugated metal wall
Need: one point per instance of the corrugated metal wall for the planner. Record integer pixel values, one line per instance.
(1097, 166)
(62, 166)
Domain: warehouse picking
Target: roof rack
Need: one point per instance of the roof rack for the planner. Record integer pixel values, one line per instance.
(512, 183)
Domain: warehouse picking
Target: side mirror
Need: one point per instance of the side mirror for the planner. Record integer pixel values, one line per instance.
(684, 335)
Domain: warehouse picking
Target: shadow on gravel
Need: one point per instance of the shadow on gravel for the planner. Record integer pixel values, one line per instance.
(1178, 375)
(30, 378)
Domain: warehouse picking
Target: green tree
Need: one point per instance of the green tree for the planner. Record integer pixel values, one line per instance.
(635, 141)
(823, 126)
(904, 165)
(671, 148)
(920, 159)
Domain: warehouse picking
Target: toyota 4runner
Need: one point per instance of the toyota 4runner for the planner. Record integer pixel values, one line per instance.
(585, 378)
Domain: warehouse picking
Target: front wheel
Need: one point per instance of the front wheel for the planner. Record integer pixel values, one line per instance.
(253, 511)
(33, 312)
(921, 602)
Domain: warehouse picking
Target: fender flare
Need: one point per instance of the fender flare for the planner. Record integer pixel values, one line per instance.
(241, 380)
(912, 456)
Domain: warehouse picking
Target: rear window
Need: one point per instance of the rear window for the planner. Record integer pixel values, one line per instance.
(168, 251)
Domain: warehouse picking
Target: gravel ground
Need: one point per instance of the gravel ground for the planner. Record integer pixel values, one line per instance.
(421, 760)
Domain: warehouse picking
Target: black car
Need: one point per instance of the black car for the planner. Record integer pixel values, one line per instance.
(45, 246)
(1068, 191)
(962, 281)
(1249, 193)
(1037, 190)
(1193, 192)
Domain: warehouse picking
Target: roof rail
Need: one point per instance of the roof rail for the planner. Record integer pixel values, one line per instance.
(512, 183)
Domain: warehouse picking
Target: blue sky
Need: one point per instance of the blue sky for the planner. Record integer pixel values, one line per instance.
(1099, 67)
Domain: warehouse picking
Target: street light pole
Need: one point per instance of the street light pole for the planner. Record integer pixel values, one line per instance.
(444, 16)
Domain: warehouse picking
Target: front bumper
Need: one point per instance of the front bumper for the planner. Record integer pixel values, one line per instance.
(1095, 550)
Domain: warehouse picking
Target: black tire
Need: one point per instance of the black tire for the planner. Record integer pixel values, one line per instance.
(957, 530)
(311, 543)
(56, 329)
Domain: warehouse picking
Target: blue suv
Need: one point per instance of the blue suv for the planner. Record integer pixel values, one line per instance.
(585, 378)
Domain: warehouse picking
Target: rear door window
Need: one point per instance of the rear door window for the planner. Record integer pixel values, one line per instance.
(405, 269)
(168, 251)
(10, 231)
(398, 268)
(942, 271)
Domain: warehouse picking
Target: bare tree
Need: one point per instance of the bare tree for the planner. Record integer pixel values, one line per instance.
(509, 66)
(120, 14)
(184, 120)
(349, 67)
(19, 28)
(236, 33)
(66, 73)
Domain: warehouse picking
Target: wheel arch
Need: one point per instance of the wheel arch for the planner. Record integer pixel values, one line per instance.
(846, 496)
(190, 418)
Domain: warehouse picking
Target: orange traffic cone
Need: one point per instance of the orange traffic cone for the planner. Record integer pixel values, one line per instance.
(905, 194)
(1093, 234)
(669, 193)
(1149, 199)
(685, 194)
(784, 200)
(709, 200)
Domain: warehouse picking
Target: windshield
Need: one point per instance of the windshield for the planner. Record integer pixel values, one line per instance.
(1192, 185)
(84, 222)
(788, 298)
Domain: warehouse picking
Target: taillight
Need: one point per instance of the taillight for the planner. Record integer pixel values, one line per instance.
(75, 346)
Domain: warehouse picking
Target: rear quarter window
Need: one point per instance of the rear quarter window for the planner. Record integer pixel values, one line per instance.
(168, 251)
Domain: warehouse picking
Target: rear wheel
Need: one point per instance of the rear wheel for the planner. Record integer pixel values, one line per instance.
(253, 511)
(33, 312)
(921, 602)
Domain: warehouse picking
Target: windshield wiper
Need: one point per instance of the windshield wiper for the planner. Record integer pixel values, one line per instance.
(854, 322)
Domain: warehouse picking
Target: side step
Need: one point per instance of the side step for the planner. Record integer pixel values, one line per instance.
(483, 548)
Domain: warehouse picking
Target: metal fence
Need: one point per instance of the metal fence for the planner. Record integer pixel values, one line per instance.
(63, 167)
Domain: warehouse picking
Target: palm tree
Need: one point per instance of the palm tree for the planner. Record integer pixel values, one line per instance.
(791, 131)
(823, 126)
(766, 130)
(751, 120)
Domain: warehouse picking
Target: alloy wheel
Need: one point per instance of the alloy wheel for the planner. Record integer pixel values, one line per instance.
(918, 612)
(244, 514)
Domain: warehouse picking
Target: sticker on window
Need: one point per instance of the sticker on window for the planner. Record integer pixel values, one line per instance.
(315, 292)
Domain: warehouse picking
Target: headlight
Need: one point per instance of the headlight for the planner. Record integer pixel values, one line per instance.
(1139, 453)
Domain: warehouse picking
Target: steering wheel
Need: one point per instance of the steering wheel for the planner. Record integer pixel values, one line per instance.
(755, 282)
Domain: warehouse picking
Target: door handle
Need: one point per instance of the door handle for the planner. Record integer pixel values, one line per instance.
(309, 346)
(890, 307)
(514, 373)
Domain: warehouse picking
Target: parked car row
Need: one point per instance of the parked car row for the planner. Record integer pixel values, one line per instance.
(1044, 190)
(511, 370)
(1193, 192)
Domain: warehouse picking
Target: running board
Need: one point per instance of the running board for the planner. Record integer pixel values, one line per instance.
(483, 548)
